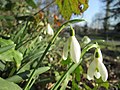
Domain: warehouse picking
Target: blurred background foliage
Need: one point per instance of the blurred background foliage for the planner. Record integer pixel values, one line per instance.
(23, 39)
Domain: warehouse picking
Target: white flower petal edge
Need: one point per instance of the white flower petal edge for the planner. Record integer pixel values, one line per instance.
(50, 30)
(75, 50)
(91, 70)
(65, 50)
(103, 71)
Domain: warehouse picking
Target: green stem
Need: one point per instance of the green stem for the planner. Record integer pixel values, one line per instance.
(32, 82)
(46, 50)
(23, 42)
(72, 31)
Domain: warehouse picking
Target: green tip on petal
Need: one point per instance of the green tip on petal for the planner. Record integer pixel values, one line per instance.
(97, 74)
(98, 54)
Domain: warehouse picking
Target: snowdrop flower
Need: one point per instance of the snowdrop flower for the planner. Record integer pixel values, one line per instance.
(85, 41)
(73, 46)
(97, 68)
(49, 30)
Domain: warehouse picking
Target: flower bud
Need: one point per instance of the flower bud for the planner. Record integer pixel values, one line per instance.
(50, 30)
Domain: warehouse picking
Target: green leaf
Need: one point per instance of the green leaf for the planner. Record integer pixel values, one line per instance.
(19, 33)
(69, 7)
(6, 85)
(10, 55)
(66, 62)
(75, 85)
(64, 84)
(17, 56)
(31, 3)
(57, 75)
(30, 59)
(101, 83)
(78, 72)
(24, 75)
(4, 42)
(2, 66)
(41, 70)
(86, 87)
(105, 84)
(74, 6)
(7, 17)
(84, 3)
(19, 77)
(6, 48)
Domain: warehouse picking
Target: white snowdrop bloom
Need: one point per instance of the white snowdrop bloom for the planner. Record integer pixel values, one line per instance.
(97, 68)
(49, 30)
(85, 41)
(75, 50)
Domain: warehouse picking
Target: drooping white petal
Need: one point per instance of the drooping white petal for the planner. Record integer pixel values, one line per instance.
(91, 70)
(65, 50)
(75, 50)
(50, 30)
(103, 71)
(97, 74)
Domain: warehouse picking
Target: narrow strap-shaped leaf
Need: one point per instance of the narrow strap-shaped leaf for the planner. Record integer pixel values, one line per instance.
(6, 48)
(7, 85)
(24, 75)
(20, 32)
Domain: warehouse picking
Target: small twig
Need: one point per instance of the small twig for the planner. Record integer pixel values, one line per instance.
(45, 7)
